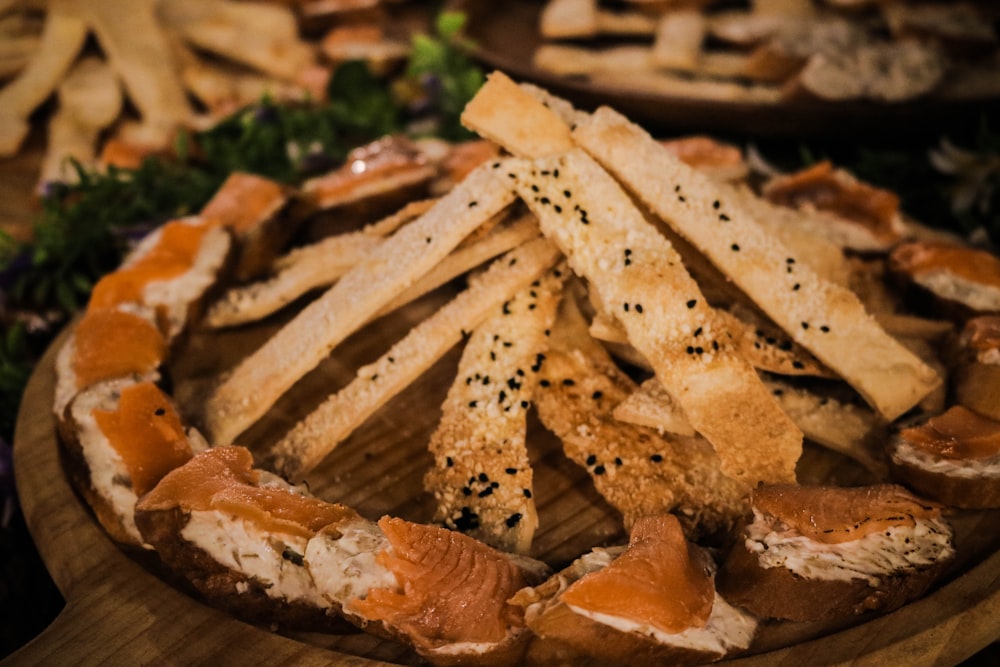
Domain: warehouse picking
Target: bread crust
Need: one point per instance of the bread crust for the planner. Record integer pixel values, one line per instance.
(778, 592)
(981, 492)
(220, 586)
(567, 631)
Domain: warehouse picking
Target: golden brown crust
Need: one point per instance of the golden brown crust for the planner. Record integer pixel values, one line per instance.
(777, 592)
(823, 316)
(570, 633)
(979, 492)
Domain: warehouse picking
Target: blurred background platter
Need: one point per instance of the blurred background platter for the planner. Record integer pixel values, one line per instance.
(506, 35)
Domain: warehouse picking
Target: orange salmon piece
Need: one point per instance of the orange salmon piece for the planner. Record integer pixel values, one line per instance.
(111, 343)
(660, 579)
(173, 254)
(243, 202)
(917, 257)
(147, 432)
(840, 514)
(958, 433)
(982, 333)
(223, 478)
(453, 587)
(821, 186)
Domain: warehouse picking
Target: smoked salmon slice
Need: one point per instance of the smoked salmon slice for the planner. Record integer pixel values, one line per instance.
(840, 514)
(147, 433)
(111, 343)
(660, 580)
(452, 588)
(223, 478)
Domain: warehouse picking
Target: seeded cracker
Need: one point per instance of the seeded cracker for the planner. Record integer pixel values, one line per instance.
(824, 317)
(318, 434)
(482, 480)
(637, 470)
(634, 269)
(261, 378)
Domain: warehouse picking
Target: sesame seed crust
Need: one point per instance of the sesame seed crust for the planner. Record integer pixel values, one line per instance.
(718, 390)
(481, 462)
(880, 368)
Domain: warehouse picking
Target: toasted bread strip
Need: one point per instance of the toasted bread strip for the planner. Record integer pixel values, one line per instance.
(318, 265)
(679, 37)
(467, 257)
(852, 430)
(498, 113)
(62, 38)
(665, 314)
(607, 240)
(824, 317)
(565, 19)
(637, 470)
(267, 373)
(482, 479)
(652, 406)
(319, 433)
(90, 99)
(764, 346)
(305, 268)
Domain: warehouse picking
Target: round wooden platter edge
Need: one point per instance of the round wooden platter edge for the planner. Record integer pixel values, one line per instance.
(118, 611)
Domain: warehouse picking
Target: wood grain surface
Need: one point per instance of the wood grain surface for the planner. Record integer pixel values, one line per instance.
(123, 609)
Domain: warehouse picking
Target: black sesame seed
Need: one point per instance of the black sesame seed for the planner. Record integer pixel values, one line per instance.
(483, 477)
(488, 491)
(591, 460)
(526, 492)
(825, 329)
(798, 364)
(656, 458)
(597, 395)
(638, 308)
(472, 404)
(473, 204)
(448, 461)
(466, 491)
(692, 303)
(716, 204)
(513, 519)
(625, 306)
(599, 470)
(735, 247)
(723, 217)
(690, 349)
(568, 382)
(544, 383)
(805, 325)
(511, 471)
(159, 412)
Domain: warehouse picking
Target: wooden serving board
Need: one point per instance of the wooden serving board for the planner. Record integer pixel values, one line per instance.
(123, 608)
